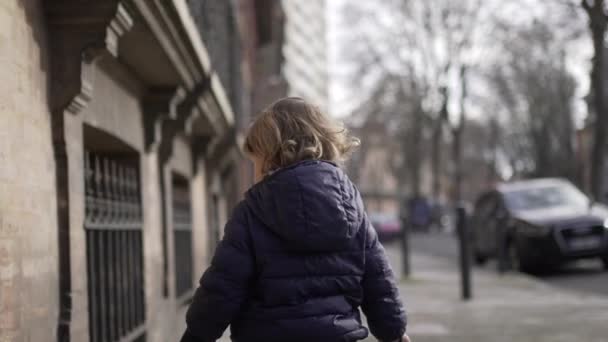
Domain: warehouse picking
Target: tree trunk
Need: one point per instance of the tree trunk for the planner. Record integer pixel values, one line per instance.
(416, 154)
(494, 142)
(457, 162)
(436, 145)
(599, 136)
(457, 141)
(597, 24)
(435, 160)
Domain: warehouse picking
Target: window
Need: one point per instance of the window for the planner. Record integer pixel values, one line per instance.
(532, 198)
(182, 238)
(214, 223)
(113, 224)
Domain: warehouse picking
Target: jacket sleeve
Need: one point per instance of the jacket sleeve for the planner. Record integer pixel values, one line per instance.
(224, 287)
(381, 305)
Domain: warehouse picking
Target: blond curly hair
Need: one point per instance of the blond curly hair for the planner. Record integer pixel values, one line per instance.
(292, 130)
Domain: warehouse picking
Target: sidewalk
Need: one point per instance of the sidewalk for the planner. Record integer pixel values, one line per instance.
(508, 308)
(511, 307)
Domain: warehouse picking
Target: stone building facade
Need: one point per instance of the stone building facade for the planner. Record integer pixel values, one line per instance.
(372, 169)
(119, 160)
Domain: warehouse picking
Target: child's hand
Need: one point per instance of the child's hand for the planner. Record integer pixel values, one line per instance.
(405, 338)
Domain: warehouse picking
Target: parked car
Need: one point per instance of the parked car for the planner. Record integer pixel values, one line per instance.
(420, 211)
(541, 223)
(387, 225)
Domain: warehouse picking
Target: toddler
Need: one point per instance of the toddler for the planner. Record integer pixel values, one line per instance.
(299, 256)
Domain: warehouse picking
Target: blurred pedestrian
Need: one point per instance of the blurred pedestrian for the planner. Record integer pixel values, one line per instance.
(299, 256)
(420, 212)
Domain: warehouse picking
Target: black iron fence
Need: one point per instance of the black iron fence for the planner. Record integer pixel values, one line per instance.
(113, 226)
(182, 238)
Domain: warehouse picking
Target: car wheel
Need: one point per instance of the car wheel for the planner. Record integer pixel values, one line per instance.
(515, 262)
(605, 262)
(479, 258)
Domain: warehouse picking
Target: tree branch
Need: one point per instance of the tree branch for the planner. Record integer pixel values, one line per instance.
(586, 6)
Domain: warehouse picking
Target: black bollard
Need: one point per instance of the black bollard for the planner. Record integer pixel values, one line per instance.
(501, 245)
(405, 247)
(465, 259)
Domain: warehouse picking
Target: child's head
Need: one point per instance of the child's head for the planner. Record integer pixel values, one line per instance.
(292, 130)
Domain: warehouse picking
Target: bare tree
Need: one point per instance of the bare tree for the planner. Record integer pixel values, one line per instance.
(457, 133)
(598, 19)
(537, 90)
(420, 48)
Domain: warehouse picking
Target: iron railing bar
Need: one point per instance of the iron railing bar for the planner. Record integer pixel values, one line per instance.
(186, 297)
(182, 227)
(128, 291)
(134, 334)
(125, 285)
(140, 278)
(119, 282)
(178, 263)
(182, 240)
(115, 226)
(92, 282)
(112, 285)
(103, 311)
(133, 281)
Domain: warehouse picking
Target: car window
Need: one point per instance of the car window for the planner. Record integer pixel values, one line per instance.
(488, 206)
(545, 197)
(382, 217)
(485, 209)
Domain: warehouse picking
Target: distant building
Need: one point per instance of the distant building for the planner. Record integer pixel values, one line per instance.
(261, 23)
(305, 50)
(372, 169)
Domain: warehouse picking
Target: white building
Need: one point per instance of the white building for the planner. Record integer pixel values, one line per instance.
(305, 50)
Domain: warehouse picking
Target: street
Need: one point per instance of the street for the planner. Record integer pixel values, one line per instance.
(583, 276)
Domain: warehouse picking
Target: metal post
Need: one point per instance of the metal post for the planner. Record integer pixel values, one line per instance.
(501, 246)
(405, 237)
(465, 260)
(405, 247)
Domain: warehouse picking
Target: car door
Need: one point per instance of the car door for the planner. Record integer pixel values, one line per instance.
(486, 228)
(500, 225)
(477, 224)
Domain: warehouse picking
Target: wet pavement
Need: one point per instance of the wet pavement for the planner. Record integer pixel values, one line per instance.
(583, 276)
(510, 307)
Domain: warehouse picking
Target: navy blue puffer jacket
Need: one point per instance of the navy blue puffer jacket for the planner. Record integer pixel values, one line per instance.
(297, 261)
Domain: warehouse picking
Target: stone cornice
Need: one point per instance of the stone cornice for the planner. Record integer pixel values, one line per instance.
(80, 32)
(174, 27)
(157, 107)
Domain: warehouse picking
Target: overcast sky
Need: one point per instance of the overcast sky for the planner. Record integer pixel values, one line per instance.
(336, 90)
(342, 102)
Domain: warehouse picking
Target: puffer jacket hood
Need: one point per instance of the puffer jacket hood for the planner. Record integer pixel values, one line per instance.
(311, 205)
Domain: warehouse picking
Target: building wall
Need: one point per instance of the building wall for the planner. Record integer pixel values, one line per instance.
(43, 159)
(260, 23)
(152, 201)
(28, 224)
(217, 24)
(116, 112)
(180, 164)
(115, 109)
(305, 50)
(379, 186)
